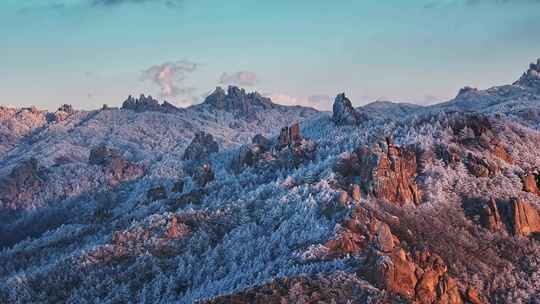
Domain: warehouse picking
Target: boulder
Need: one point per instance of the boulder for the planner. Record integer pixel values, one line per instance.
(344, 113)
(201, 147)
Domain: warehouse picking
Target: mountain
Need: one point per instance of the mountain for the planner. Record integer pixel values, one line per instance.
(240, 200)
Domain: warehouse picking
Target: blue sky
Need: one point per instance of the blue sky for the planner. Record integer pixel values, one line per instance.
(91, 52)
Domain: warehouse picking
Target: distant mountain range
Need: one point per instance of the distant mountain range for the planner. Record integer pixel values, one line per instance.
(242, 200)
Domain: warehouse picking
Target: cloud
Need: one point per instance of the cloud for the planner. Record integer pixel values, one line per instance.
(242, 78)
(170, 77)
(320, 102)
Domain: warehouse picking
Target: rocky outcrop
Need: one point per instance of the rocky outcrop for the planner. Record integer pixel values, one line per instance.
(15, 124)
(344, 113)
(22, 185)
(482, 167)
(500, 151)
(201, 147)
(414, 274)
(490, 216)
(515, 216)
(339, 287)
(386, 171)
(144, 104)
(290, 149)
(531, 78)
(525, 218)
(237, 101)
(421, 276)
(115, 167)
(61, 114)
(530, 183)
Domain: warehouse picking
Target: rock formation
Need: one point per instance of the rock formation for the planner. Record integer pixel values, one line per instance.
(15, 124)
(61, 114)
(530, 183)
(490, 216)
(289, 150)
(21, 185)
(481, 167)
(414, 274)
(501, 152)
(339, 287)
(516, 216)
(239, 102)
(531, 78)
(116, 168)
(344, 113)
(147, 103)
(525, 218)
(201, 147)
(386, 171)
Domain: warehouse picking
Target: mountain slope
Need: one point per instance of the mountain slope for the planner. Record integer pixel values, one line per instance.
(396, 204)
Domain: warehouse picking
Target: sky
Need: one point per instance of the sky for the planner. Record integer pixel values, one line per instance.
(93, 52)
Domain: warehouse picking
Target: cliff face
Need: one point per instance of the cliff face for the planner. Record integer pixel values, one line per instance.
(385, 171)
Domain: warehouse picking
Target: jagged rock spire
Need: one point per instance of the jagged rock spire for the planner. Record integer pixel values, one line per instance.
(344, 112)
(147, 103)
(531, 78)
(238, 101)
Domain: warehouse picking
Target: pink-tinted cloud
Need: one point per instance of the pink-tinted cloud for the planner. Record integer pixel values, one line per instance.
(170, 77)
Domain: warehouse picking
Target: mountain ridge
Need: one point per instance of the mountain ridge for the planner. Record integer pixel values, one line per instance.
(238, 199)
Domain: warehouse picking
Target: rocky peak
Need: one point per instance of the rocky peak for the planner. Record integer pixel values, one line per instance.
(63, 112)
(238, 101)
(344, 112)
(531, 78)
(147, 103)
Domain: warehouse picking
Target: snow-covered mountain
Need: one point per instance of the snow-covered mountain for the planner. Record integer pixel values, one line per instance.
(240, 200)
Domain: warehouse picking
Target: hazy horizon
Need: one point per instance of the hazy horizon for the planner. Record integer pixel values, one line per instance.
(93, 52)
